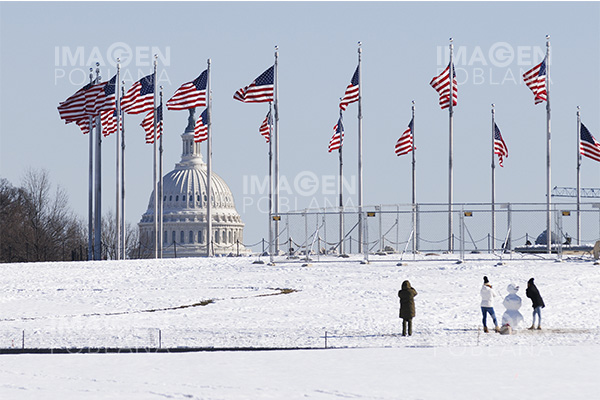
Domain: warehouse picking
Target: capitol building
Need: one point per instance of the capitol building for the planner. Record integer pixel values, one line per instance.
(184, 209)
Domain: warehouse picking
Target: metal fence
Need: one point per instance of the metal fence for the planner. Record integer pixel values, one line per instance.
(394, 229)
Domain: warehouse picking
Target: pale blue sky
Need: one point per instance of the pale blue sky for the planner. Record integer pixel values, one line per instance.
(404, 46)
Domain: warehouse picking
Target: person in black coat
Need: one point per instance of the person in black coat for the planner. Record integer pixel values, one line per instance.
(407, 306)
(537, 303)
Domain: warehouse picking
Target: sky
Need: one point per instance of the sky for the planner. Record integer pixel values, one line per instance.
(47, 48)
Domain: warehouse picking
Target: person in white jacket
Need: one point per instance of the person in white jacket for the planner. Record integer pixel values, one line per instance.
(487, 304)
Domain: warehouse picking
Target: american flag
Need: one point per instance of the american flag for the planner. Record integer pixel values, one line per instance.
(265, 127)
(588, 146)
(148, 124)
(140, 97)
(404, 145)
(338, 137)
(201, 127)
(441, 84)
(190, 95)
(499, 145)
(73, 108)
(260, 90)
(351, 94)
(101, 97)
(535, 79)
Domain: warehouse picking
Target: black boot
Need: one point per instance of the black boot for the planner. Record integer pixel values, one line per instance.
(410, 327)
(404, 323)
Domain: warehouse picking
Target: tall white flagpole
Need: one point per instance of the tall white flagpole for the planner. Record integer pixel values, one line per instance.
(98, 183)
(160, 182)
(123, 229)
(117, 180)
(276, 146)
(548, 150)
(493, 180)
(451, 152)
(209, 232)
(91, 184)
(271, 255)
(154, 180)
(578, 176)
(414, 182)
(360, 165)
(341, 245)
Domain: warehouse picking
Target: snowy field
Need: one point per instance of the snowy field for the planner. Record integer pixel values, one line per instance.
(350, 307)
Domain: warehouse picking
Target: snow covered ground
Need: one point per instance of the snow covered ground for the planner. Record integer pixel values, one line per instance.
(231, 302)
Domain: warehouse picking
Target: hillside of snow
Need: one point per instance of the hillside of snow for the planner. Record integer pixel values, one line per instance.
(234, 303)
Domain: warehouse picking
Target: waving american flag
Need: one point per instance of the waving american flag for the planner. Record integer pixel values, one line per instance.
(535, 79)
(260, 90)
(338, 137)
(499, 145)
(352, 91)
(588, 146)
(441, 84)
(404, 145)
(190, 95)
(140, 97)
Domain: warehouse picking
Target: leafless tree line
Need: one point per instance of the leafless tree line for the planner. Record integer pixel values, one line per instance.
(37, 224)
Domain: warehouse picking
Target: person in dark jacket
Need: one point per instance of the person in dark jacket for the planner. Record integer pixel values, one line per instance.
(407, 306)
(537, 303)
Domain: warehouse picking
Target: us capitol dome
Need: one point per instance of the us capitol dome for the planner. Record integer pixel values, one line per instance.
(184, 209)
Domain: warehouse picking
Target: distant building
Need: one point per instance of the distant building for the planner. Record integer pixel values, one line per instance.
(184, 214)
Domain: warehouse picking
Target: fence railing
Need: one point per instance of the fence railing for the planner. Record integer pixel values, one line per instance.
(399, 229)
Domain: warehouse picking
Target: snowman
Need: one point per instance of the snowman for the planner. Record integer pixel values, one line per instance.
(512, 303)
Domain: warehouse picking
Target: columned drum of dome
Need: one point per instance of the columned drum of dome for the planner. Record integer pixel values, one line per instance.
(184, 204)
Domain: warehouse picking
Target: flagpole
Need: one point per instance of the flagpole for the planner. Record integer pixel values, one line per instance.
(154, 169)
(360, 166)
(209, 234)
(98, 183)
(91, 184)
(276, 145)
(493, 181)
(124, 230)
(578, 175)
(414, 182)
(548, 148)
(271, 260)
(451, 151)
(117, 203)
(160, 180)
(341, 245)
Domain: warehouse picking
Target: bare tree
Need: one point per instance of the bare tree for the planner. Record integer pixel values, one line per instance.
(11, 222)
(109, 236)
(37, 222)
